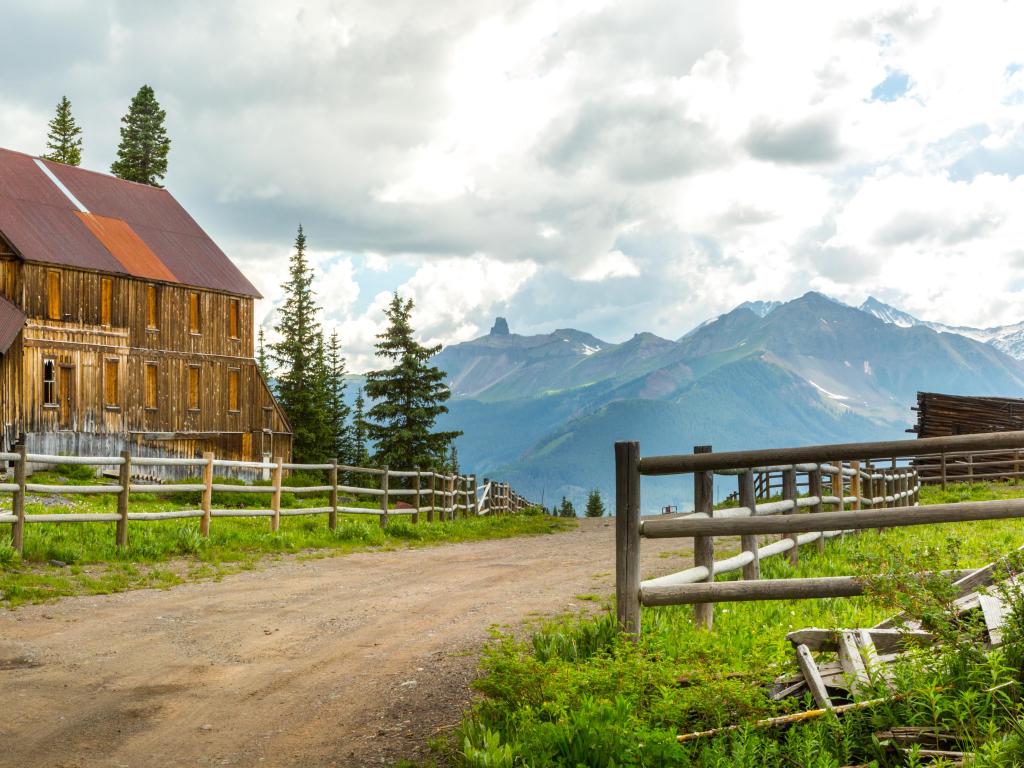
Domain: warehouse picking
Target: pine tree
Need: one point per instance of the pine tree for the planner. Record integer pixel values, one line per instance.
(65, 137)
(360, 452)
(408, 397)
(595, 505)
(453, 459)
(142, 153)
(566, 509)
(298, 359)
(262, 363)
(337, 410)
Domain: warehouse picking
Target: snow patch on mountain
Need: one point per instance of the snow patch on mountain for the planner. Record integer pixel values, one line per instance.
(1008, 339)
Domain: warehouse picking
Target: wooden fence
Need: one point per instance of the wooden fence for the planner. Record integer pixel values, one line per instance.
(861, 494)
(417, 492)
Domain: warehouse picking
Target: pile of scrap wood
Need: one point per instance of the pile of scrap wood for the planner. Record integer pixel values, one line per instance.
(840, 663)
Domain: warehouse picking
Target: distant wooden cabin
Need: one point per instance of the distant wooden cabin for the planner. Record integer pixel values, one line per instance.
(941, 415)
(122, 324)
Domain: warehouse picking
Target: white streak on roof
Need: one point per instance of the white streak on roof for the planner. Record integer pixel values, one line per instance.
(60, 185)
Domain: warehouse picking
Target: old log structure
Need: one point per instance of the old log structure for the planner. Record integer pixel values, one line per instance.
(123, 326)
(940, 415)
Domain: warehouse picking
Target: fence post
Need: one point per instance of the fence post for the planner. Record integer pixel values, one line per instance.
(384, 484)
(275, 497)
(942, 459)
(206, 502)
(627, 537)
(18, 501)
(748, 499)
(416, 498)
(855, 485)
(970, 467)
(472, 488)
(332, 479)
(814, 489)
(433, 501)
(122, 500)
(704, 546)
(790, 493)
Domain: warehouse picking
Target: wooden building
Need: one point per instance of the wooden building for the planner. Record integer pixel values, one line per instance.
(122, 324)
(941, 415)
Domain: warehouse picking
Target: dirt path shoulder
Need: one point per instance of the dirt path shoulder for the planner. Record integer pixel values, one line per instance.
(347, 661)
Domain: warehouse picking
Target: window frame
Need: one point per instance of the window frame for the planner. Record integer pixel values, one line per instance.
(53, 403)
(106, 301)
(197, 407)
(111, 363)
(234, 319)
(54, 298)
(236, 375)
(195, 314)
(151, 365)
(152, 307)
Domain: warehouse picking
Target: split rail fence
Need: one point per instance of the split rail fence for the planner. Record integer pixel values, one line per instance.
(867, 488)
(416, 492)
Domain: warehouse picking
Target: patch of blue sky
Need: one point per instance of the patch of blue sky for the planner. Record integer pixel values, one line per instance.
(374, 281)
(895, 86)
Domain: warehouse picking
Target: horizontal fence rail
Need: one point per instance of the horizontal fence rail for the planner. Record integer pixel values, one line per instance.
(803, 495)
(408, 493)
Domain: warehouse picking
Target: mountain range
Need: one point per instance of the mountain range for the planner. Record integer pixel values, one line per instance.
(543, 411)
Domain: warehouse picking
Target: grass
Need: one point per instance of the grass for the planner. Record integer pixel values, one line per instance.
(82, 558)
(577, 694)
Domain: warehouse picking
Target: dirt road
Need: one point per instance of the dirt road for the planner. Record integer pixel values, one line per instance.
(346, 661)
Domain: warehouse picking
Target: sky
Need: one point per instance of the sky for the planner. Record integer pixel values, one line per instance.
(610, 166)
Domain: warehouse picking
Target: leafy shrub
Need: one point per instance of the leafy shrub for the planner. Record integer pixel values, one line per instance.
(79, 472)
(8, 554)
(364, 533)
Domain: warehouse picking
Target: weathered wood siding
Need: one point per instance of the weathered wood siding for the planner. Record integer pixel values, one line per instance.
(87, 354)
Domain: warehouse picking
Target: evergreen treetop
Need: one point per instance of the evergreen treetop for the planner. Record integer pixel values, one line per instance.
(595, 505)
(340, 437)
(142, 153)
(64, 139)
(408, 397)
(299, 360)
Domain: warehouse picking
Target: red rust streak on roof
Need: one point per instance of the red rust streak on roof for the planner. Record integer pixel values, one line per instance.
(127, 247)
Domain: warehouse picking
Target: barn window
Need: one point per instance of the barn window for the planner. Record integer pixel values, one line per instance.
(106, 301)
(233, 377)
(151, 307)
(193, 312)
(193, 387)
(233, 312)
(49, 383)
(111, 372)
(151, 385)
(53, 294)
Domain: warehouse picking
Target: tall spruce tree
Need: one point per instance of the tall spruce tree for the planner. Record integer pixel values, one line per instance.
(340, 433)
(360, 451)
(64, 139)
(407, 397)
(298, 358)
(595, 504)
(142, 153)
(262, 363)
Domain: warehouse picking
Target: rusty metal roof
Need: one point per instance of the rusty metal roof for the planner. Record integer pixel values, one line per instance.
(12, 320)
(126, 228)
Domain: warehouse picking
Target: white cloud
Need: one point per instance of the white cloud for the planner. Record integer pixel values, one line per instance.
(720, 151)
(612, 264)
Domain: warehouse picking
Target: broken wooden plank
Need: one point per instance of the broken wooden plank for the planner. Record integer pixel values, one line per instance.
(851, 661)
(812, 677)
(885, 640)
(790, 690)
(995, 612)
